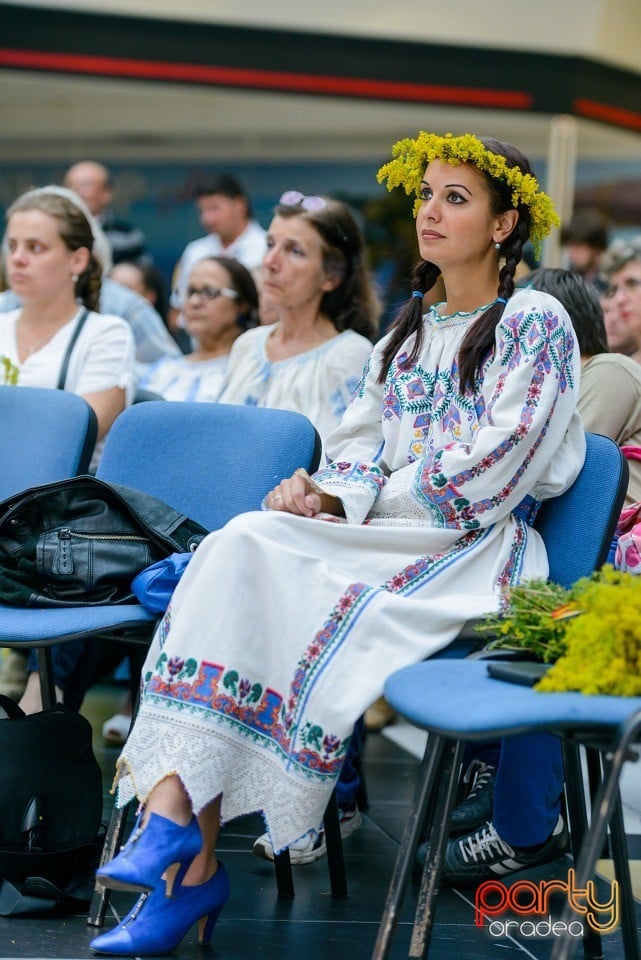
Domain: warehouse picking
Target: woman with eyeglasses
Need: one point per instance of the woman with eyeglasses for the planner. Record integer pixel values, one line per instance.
(316, 288)
(621, 299)
(219, 303)
(288, 620)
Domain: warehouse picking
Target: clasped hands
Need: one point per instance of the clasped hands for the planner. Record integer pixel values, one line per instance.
(301, 495)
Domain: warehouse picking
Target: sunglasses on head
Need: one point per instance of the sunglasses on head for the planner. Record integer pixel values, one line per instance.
(294, 198)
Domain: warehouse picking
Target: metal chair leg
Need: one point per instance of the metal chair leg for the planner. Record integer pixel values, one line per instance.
(113, 842)
(578, 817)
(622, 875)
(423, 793)
(333, 840)
(284, 879)
(335, 859)
(436, 844)
(602, 810)
(45, 671)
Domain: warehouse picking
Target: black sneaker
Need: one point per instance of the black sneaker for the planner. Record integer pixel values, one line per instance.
(477, 807)
(483, 856)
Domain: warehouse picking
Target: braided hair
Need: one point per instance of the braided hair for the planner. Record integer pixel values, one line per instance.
(479, 338)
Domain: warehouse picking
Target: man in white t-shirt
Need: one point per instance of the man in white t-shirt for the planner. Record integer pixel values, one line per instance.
(225, 212)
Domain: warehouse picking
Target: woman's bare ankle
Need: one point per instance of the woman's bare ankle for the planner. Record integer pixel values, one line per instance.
(31, 700)
(201, 869)
(169, 799)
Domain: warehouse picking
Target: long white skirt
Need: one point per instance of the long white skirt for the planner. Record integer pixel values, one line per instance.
(280, 635)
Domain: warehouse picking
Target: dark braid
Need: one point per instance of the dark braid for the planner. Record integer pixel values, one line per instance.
(478, 341)
(410, 319)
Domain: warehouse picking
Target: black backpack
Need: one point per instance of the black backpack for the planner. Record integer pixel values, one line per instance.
(50, 810)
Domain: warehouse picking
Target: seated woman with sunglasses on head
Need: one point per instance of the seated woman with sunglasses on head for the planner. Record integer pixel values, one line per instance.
(219, 303)
(316, 286)
(284, 626)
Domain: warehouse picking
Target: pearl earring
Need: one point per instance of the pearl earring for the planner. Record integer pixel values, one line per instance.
(497, 246)
(75, 277)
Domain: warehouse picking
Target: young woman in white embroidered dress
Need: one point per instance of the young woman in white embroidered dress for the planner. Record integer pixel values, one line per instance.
(464, 418)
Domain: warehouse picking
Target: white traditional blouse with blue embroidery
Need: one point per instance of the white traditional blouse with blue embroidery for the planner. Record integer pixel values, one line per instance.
(318, 383)
(414, 450)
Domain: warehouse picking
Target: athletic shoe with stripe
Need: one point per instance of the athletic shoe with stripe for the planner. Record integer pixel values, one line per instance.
(483, 855)
(312, 846)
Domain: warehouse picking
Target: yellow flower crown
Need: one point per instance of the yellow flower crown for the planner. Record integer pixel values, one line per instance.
(412, 156)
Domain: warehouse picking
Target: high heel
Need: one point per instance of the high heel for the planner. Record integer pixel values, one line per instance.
(149, 852)
(157, 923)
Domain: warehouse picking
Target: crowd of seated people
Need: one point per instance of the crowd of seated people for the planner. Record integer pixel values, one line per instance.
(310, 358)
(292, 327)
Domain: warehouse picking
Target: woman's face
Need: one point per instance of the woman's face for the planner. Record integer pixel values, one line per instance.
(207, 310)
(39, 265)
(455, 223)
(619, 336)
(293, 272)
(624, 295)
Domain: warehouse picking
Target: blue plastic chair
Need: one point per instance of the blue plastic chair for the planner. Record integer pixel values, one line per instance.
(577, 528)
(210, 462)
(45, 435)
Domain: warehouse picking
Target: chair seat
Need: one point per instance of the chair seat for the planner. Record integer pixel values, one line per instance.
(468, 704)
(21, 627)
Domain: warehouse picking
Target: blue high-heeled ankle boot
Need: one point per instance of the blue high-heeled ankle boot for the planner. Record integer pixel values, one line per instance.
(149, 852)
(157, 923)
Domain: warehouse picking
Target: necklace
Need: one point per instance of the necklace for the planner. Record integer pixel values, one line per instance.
(460, 314)
(31, 348)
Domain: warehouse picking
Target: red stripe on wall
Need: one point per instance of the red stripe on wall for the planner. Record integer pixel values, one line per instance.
(607, 114)
(260, 79)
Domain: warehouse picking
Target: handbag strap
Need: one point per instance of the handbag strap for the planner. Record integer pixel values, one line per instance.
(62, 379)
(11, 708)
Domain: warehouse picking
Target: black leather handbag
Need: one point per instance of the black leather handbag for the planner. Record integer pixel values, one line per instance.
(50, 809)
(82, 541)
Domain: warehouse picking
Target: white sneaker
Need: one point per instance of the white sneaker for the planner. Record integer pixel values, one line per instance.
(116, 730)
(312, 845)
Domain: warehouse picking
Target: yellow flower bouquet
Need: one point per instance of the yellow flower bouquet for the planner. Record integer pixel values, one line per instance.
(590, 634)
(9, 370)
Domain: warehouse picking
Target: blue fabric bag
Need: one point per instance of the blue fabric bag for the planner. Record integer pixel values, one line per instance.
(154, 585)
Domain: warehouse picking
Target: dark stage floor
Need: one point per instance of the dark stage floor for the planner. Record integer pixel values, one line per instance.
(256, 924)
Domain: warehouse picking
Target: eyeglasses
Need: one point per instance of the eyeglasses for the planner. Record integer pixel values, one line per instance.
(631, 284)
(294, 198)
(205, 293)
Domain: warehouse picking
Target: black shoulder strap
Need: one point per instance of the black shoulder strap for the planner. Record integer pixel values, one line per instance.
(62, 379)
(10, 708)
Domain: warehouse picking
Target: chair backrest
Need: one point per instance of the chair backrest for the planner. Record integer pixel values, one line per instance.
(143, 396)
(578, 526)
(211, 461)
(45, 435)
